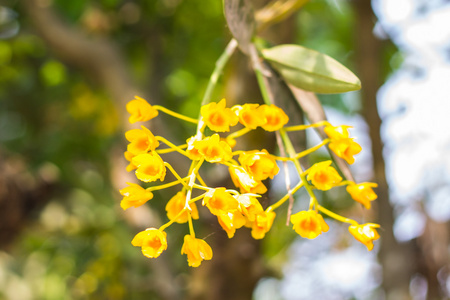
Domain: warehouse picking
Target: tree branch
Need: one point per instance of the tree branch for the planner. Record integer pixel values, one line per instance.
(97, 57)
(101, 60)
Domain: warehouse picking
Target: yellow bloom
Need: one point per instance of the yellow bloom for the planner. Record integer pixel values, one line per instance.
(220, 201)
(140, 110)
(337, 132)
(262, 224)
(250, 115)
(363, 192)
(309, 224)
(141, 141)
(323, 176)
(191, 150)
(249, 206)
(134, 195)
(213, 149)
(129, 156)
(274, 117)
(150, 167)
(365, 233)
(218, 117)
(176, 204)
(152, 241)
(246, 182)
(346, 149)
(230, 221)
(196, 250)
(260, 164)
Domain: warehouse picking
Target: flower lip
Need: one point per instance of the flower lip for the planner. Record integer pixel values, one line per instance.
(152, 241)
(275, 118)
(262, 224)
(345, 148)
(363, 192)
(337, 132)
(150, 167)
(217, 117)
(250, 115)
(365, 233)
(140, 110)
(220, 201)
(141, 141)
(309, 224)
(260, 164)
(213, 149)
(323, 176)
(196, 250)
(134, 195)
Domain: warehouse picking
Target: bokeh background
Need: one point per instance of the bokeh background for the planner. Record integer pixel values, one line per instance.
(67, 69)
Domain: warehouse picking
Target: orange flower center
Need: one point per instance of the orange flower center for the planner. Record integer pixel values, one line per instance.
(142, 143)
(247, 118)
(309, 224)
(217, 119)
(212, 152)
(273, 120)
(321, 177)
(218, 203)
(153, 242)
(151, 169)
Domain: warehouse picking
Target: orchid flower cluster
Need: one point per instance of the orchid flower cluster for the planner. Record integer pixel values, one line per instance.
(235, 208)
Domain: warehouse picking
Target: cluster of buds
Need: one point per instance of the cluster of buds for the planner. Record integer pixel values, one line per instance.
(234, 208)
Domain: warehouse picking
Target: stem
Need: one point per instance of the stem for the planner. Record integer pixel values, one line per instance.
(281, 158)
(345, 182)
(171, 145)
(201, 187)
(336, 216)
(180, 213)
(220, 64)
(197, 198)
(200, 179)
(192, 177)
(234, 153)
(291, 151)
(168, 150)
(176, 115)
(164, 186)
(191, 226)
(303, 127)
(311, 150)
(173, 220)
(286, 176)
(238, 133)
(257, 67)
(285, 197)
(175, 174)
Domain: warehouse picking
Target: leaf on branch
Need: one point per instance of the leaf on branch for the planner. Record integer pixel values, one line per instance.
(241, 21)
(310, 70)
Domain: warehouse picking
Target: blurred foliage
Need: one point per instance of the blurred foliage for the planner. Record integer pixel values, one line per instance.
(52, 115)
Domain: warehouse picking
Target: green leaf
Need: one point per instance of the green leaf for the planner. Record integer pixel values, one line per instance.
(310, 70)
(241, 21)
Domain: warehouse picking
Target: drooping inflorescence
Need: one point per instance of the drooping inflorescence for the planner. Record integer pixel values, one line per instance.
(248, 169)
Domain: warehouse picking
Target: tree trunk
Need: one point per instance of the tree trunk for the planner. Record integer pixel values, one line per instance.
(238, 265)
(397, 260)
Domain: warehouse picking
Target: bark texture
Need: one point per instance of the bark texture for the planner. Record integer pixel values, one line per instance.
(398, 260)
